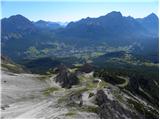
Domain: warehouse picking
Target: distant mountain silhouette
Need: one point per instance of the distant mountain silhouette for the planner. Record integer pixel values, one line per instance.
(47, 24)
(112, 28)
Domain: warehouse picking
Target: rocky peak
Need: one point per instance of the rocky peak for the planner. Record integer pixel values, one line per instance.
(114, 14)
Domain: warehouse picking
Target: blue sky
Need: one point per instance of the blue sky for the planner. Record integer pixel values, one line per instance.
(69, 10)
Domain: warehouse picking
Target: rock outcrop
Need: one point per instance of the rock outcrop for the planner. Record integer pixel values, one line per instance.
(65, 78)
(86, 68)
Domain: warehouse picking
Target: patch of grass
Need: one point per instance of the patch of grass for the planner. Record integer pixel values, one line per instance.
(119, 97)
(150, 64)
(78, 65)
(12, 67)
(44, 77)
(81, 78)
(62, 99)
(50, 90)
(92, 109)
(79, 91)
(91, 94)
(75, 91)
(102, 84)
(72, 70)
(91, 85)
(71, 113)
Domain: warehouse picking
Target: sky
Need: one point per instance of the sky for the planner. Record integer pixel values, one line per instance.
(73, 10)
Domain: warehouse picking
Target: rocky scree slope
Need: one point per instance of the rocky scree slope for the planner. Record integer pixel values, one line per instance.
(27, 95)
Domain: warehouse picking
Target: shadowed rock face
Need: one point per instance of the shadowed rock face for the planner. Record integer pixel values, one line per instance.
(141, 85)
(86, 68)
(65, 78)
(101, 97)
(111, 109)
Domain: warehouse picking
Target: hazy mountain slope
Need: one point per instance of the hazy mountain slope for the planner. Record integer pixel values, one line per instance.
(112, 28)
(151, 23)
(16, 24)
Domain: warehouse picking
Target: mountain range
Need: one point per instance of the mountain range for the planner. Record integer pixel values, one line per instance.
(113, 29)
